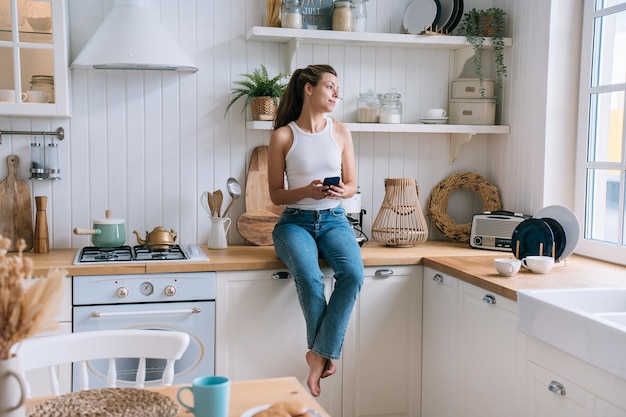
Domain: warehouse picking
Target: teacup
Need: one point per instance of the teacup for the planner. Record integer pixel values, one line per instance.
(35, 96)
(538, 264)
(9, 95)
(435, 113)
(211, 396)
(507, 267)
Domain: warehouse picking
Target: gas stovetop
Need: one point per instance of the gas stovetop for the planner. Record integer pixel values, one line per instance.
(94, 255)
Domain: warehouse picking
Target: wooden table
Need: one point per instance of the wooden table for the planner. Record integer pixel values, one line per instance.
(244, 395)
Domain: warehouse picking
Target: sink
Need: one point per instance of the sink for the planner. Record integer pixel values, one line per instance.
(588, 323)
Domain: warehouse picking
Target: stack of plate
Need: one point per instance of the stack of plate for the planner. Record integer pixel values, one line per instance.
(553, 231)
(435, 15)
(434, 120)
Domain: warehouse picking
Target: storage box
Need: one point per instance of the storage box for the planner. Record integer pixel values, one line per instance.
(472, 112)
(470, 88)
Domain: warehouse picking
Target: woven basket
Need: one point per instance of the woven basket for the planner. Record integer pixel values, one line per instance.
(400, 221)
(263, 108)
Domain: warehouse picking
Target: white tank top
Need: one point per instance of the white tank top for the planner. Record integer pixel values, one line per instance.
(312, 156)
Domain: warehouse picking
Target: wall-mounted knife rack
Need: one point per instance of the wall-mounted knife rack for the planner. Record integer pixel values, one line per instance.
(59, 133)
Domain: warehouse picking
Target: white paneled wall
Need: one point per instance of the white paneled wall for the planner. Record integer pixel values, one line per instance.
(147, 144)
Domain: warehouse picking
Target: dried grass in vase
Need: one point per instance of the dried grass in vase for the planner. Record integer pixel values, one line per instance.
(28, 305)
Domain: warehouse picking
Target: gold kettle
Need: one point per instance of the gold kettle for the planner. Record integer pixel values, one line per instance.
(158, 239)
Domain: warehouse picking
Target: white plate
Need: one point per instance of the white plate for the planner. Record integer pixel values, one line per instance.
(420, 14)
(439, 121)
(253, 411)
(568, 221)
(434, 118)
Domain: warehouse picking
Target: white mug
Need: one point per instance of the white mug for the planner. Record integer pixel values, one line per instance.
(35, 96)
(538, 264)
(435, 113)
(9, 96)
(507, 267)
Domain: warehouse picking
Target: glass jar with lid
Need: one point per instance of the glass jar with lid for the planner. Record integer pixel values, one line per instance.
(391, 109)
(368, 107)
(360, 16)
(343, 17)
(43, 83)
(290, 14)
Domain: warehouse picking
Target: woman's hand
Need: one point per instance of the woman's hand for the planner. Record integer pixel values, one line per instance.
(335, 192)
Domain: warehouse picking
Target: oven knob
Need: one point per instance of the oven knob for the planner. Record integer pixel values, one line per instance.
(122, 292)
(170, 290)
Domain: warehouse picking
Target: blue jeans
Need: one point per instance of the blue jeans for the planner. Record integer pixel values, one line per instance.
(301, 237)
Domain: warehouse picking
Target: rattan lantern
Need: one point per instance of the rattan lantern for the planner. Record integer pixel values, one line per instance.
(400, 221)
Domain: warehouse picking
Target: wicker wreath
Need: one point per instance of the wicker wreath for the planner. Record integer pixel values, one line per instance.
(439, 203)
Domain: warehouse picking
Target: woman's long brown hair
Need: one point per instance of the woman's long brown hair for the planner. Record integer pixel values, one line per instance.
(291, 102)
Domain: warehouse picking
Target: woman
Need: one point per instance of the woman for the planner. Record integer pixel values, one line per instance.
(307, 146)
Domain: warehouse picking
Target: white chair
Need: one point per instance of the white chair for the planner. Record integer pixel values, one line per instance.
(78, 348)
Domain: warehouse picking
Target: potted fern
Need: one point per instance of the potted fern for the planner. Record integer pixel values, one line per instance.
(261, 93)
(476, 26)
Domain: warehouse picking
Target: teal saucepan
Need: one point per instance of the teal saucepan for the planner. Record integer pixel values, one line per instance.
(106, 233)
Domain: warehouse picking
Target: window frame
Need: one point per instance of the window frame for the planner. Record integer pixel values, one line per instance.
(615, 253)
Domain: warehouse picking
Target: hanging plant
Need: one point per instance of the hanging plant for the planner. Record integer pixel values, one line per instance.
(476, 26)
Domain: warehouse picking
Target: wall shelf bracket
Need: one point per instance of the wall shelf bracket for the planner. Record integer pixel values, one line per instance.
(292, 47)
(456, 141)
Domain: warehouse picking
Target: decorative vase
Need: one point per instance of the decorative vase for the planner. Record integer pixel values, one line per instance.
(12, 388)
(400, 221)
(263, 108)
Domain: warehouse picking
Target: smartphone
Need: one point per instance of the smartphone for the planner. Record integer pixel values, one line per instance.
(328, 181)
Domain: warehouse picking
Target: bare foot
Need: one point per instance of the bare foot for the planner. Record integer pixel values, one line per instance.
(329, 368)
(317, 364)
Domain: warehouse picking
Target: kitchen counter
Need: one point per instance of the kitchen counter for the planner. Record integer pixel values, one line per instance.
(458, 259)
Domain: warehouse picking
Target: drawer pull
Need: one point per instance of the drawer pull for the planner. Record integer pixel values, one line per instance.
(489, 299)
(383, 272)
(556, 387)
(281, 275)
(438, 278)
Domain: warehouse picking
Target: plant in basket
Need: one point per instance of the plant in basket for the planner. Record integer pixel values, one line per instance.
(261, 92)
(476, 26)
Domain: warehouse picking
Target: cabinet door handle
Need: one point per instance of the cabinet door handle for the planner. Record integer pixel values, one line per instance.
(489, 299)
(438, 278)
(281, 275)
(556, 387)
(383, 272)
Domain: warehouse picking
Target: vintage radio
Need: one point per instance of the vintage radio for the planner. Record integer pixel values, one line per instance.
(493, 230)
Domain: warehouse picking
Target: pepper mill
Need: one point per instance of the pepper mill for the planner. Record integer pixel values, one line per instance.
(40, 240)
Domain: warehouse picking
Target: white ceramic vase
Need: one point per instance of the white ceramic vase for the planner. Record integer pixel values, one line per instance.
(12, 388)
(217, 236)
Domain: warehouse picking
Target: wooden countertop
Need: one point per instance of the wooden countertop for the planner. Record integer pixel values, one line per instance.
(244, 395)
(458, 259)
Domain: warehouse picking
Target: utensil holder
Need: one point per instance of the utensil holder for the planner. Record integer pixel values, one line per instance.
(400, 221)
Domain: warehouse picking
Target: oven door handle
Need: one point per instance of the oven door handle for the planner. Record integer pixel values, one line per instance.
(97, 314)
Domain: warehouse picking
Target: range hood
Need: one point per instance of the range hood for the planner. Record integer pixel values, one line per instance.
(133, 38)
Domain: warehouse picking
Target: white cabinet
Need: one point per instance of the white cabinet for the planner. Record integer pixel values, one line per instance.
(33, 42)
(560, 385)
(439, 343)
(260, 331)
(470, 348)
(382, 351)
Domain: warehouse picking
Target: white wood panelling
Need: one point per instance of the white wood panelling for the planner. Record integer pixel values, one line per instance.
(147, 144)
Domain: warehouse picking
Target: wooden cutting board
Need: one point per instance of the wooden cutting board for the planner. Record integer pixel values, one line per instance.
(16, 211)
(261, 215)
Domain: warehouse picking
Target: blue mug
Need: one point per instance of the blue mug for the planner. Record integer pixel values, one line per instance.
(211, 396)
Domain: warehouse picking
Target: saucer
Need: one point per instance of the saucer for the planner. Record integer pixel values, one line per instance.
(434, 120)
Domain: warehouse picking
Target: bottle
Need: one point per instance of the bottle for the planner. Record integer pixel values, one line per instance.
(360, 16)
(36, 161)
(51, 165)
(368, 107)
(343, 18)
(290, 16)
(391, 110)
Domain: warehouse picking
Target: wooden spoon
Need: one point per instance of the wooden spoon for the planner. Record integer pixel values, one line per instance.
(218, 198)
(211, 200)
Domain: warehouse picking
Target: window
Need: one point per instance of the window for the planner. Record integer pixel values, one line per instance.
(601, 165)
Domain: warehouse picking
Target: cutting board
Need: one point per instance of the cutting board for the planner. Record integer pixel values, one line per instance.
(261, 215)
(16, 211)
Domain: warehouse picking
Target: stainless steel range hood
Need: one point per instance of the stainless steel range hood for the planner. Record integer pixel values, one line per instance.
(133, 38)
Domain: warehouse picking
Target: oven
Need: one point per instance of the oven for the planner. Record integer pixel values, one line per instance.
(182, 301)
